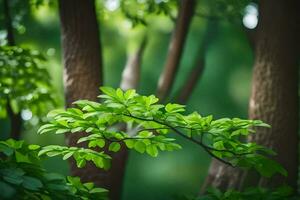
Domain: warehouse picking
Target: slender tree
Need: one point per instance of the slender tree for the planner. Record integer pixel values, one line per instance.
(82, 68)
(130, 80)
(167, 77)
(274, 97)
(196, 72)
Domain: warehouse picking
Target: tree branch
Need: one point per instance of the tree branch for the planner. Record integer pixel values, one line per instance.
(131, 72)
(192, 79)
(176, 46)
(186, 137)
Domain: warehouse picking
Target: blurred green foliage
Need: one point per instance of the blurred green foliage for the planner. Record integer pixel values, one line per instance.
(22, 177)
(24, 82)
(222, 91)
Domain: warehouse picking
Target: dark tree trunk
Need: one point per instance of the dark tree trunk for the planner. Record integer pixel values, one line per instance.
(15, 123)
(8, 23)
(83, 76)
(15, 118)
(81, 50)
(274, 97)
(167, 77)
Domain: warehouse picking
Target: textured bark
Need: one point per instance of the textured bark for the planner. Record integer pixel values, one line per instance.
(221, 176)
(176, 47)
(274, 97)
(15, 118)
(83, 76)
(81, 50)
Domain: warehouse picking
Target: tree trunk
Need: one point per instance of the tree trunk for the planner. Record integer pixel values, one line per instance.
(83, 76)
(176, 46)
(274, 97)
(15, 118)
(8, 23)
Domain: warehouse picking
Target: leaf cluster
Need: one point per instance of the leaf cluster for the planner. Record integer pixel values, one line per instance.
(151, 126)
(24, 82)
(23, 177)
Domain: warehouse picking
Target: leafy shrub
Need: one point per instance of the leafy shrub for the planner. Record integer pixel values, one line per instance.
(22, 177)
(24, 83)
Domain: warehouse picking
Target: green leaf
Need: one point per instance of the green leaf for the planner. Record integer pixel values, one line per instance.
(174, 108)
(267, 167)
(60, 131)
(68, 155)
(100, 143)
(129, 143)
(32, 183)
(98, 161)
(13, 175)
(129, 94)
(80, 163)
(20, 157)
(145, 134)
(98, 190)
(34, 147)
(140, 146)
(219, 145)
(152, 150)
(89, 185)
(6, 150)
(120, 94)
(109, 91)
(53, 113)
(78, 129)
(114, 146)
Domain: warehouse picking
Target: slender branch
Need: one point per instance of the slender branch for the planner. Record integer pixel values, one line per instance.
(206, 148)
(196, 72)
(182, 135)
(154, 130)
(176, 47)
(123, 139)
(131, 72)
(170, 127)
